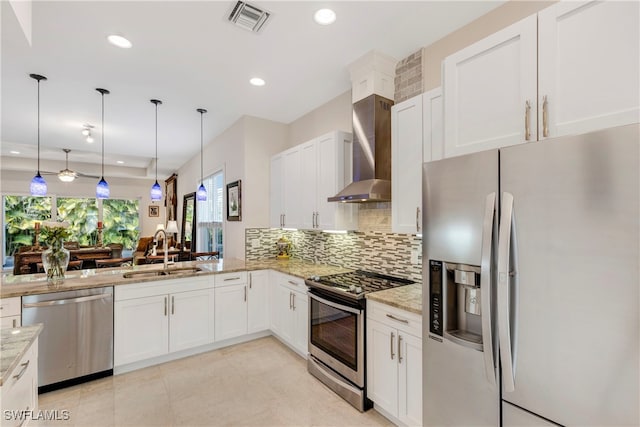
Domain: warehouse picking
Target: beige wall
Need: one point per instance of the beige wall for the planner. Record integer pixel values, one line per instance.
(499, 18)
(333, 115)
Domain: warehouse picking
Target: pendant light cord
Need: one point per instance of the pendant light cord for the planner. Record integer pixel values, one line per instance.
(156, 142)
(201, 168)
(102, 135)
(38, 126)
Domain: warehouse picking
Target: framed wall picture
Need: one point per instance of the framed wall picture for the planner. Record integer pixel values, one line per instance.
(234, 201)
(171, 201)
(154, 210)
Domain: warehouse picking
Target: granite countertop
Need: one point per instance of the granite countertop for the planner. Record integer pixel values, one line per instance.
(407, 298)
(30, 284)
(14, 343)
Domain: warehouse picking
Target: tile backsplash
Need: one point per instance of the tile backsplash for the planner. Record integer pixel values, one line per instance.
(378, 251)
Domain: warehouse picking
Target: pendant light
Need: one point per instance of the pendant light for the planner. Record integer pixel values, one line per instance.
(102, 189)
(201, 194)
(38, 185)
(156, 190)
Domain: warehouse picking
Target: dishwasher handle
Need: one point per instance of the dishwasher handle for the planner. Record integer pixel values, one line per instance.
(66, 301)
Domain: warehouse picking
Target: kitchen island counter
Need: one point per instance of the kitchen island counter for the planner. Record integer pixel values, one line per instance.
(407, 298)
(14, 345)
(30, 284)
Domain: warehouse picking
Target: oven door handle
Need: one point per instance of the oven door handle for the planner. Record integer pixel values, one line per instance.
(335, 305)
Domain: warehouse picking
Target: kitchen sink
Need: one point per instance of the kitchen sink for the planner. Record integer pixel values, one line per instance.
(174, 271)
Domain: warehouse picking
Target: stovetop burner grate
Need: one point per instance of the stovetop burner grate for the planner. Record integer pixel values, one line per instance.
(357, 283)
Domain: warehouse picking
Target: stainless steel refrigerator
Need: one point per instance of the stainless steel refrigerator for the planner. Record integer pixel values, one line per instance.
(531, 260)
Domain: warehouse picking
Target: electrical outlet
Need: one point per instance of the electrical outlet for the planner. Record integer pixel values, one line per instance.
(415, 256)
(255, 243)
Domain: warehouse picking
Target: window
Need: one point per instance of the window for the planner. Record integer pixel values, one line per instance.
(209, 216)
(20, 215)
(121, 220)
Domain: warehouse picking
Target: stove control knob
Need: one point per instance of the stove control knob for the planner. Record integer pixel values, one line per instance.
(352, 288)
(315, 278)
(358, 290)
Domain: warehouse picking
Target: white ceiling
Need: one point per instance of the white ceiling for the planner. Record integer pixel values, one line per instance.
(188, 55)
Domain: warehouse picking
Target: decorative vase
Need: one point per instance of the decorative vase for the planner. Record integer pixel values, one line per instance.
(55, 261)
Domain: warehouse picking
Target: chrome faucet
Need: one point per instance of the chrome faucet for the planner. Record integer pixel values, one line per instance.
(165, 247)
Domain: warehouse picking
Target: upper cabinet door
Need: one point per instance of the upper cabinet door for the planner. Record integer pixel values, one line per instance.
(292, 188)
(308, 184)
(406, 165)
(276, 197)
(589, 66)
(490, 91)
(432, 126)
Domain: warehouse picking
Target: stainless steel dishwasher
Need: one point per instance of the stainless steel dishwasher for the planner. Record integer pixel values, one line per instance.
(76, 344)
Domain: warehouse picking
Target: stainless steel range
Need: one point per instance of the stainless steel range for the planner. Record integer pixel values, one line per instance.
(337, 317)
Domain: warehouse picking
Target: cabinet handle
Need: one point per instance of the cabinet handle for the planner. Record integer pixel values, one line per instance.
(545, 116)
(165, 306)
(527, 114)
(399, 348)
(15, 323)
(294, 301)
(24, 365)
(290, 303)
(231, 278)
(250, 276)
(284, 217)
(418, 219)
(391, 345)
(391, 316)
(173, 304)
(293, 283)
(245, 294)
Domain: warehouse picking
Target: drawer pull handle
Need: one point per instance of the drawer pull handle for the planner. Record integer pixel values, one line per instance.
(391, 316)
(231, 278)
(25, 365)
(293, 283)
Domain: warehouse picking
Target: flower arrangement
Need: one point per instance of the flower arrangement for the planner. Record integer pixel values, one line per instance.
(56, 258)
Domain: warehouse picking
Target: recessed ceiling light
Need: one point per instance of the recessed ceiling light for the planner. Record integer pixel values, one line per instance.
(325, 16)
(120, 162)
(119, 41)
(257, 81)
(14, 152)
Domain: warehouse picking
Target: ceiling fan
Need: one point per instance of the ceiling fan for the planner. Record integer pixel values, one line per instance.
(66, 174)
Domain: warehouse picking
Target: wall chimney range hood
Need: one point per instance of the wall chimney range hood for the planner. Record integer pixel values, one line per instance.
(371, 152)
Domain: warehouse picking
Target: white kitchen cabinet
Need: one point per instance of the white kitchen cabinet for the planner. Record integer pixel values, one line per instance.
(10, 312)
(276, 200)
(19, 392)
(290, 311)
(305, 176)
(155, 318)
(286, 188)
(416, 137)
(258, 301)
(490, 91)
(230, 311)
(394, 362)
(589, 66)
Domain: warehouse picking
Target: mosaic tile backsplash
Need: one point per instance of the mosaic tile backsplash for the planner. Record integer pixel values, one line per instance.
(387, 253)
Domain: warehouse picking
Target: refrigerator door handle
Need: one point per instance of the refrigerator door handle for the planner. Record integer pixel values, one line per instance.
(485, 288)
(504, 328)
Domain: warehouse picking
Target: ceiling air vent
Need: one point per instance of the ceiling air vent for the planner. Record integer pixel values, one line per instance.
(248, 16)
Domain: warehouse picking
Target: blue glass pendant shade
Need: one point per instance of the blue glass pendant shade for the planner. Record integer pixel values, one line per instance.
(38, 186)
(102, 189)
(156, 192)
(201, 194)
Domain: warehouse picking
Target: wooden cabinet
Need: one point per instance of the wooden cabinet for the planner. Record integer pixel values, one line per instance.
(416, 137)
(303, 177)
(394, 362)
(490, 91)
(258, 301)
(19, 392)
(10, 312)
(155, 318)
(290, 311)
(589, 66)
(572, 68)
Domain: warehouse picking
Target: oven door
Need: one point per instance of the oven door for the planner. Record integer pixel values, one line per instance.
(336, 336)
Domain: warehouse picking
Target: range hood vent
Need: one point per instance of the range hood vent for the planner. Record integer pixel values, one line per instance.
(248, 17)
(371, 153)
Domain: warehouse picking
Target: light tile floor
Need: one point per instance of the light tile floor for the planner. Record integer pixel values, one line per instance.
(259, 383)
